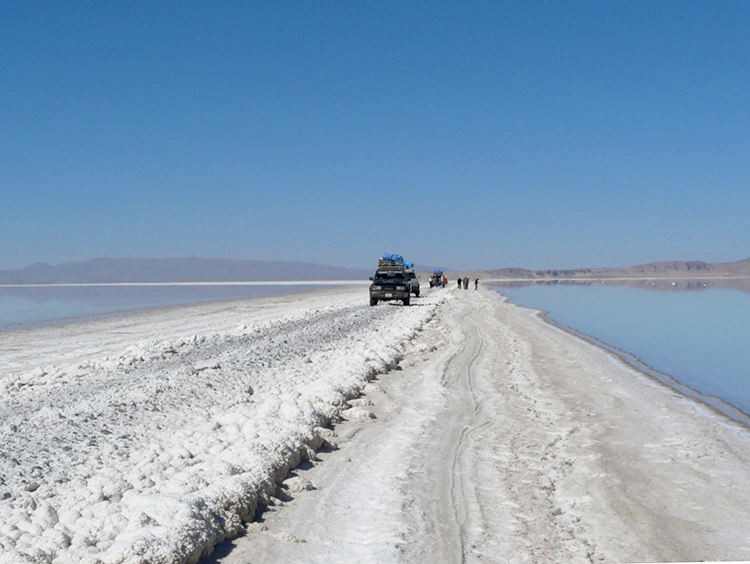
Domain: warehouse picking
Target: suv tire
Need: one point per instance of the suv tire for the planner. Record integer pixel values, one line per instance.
(373, 302)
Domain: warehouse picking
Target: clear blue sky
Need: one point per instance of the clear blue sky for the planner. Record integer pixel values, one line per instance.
(463, 134)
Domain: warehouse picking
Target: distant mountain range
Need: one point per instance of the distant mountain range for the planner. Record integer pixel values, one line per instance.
(667, 269)
(108, 270)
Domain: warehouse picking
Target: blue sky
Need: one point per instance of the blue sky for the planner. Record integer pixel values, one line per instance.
(462, 134)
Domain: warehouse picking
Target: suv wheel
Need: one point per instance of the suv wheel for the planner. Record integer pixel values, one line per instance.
(373, 301)
(406, 301)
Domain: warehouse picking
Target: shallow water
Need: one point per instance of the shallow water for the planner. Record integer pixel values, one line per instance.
(24, 307)
(699, 337)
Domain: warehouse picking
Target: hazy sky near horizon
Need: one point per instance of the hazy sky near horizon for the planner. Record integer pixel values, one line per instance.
(459, 134)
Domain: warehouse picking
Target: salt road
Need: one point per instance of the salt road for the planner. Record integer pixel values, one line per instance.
(501, 438)
(314, 428)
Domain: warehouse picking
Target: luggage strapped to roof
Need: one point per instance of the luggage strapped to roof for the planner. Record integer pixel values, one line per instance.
(392, 261)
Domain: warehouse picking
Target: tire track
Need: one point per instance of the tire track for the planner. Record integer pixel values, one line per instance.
(462, 495)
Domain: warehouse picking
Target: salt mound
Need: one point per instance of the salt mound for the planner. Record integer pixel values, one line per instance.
(361, 402)
(358, 414)
(298, 484)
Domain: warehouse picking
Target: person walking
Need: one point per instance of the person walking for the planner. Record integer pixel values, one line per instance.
(466, 282)
(459, 282)
(476, 283)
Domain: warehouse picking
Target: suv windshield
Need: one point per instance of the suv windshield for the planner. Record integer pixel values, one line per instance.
(389, 274)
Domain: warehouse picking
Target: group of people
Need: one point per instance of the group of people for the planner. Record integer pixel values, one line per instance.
(465, 282)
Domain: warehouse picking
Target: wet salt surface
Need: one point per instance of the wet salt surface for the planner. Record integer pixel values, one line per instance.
(700, 338)
(25, 307)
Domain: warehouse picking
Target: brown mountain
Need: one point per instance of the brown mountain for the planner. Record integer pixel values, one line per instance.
(666, 269)
(108, 270)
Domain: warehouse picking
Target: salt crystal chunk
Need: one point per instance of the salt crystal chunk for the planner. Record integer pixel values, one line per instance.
(358, 414)
(298, 484)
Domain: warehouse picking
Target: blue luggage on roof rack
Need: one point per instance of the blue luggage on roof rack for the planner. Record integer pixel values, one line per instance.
(391, 260)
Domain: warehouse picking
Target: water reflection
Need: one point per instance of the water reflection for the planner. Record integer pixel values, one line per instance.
(695, 331)
(664, 285)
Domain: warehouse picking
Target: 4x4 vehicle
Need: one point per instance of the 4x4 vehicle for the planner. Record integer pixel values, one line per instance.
(390, 282)
(413, 279)
(437, 278)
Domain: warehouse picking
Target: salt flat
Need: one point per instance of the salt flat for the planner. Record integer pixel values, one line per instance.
(149, 438)
(463, 429)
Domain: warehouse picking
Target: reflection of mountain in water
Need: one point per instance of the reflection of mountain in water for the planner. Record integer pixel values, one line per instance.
(663, 285)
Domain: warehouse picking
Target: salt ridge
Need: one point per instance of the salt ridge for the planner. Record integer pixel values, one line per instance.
(163, 450)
